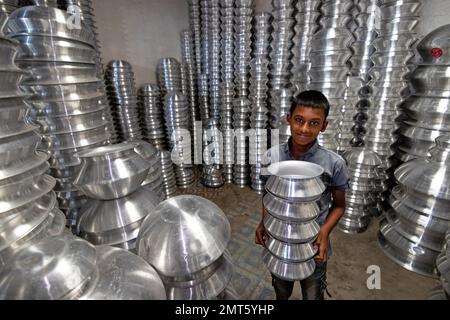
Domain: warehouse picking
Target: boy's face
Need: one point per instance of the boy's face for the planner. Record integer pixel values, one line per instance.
(306, 124)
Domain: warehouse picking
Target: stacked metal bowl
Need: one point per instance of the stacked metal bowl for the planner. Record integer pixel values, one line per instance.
(188, 59)
(69, 268)
(176, 114)
(426, 114)
(112, 178)
(121, 90)
(29, 209)
(8, 6)
(205, 10)
(86, 11)
(212, 176)
(307, 24)
(243, 46)
(293, 190)
(330, 55)
(259, 77)
(227, 86)
(281, 102)
(67, 98)
(154, 178)
(169, 75)
(203, 97)
(282, 43)
(185, 241)
(362, 200)
(389, 86)
(214, 59)
(442, 291)
(241, 124)
(414, 229)
(150, 105)
(196, 32)
(169, 182)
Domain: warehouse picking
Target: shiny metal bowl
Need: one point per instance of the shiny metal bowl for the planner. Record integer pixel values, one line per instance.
(290, 211)
(291, 252)
(111, 172)
(288, 270)
(295, 180)
(116, 221)
(48, 270)
(291, 232)
(205, 289)
(198, 224)
(124, 276)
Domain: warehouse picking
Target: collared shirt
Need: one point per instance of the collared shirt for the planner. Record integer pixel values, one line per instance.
(335, 176)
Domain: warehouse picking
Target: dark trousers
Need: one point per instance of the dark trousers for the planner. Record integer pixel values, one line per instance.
(313, 287)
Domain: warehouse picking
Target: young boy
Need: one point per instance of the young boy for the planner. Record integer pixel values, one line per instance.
(308, 118)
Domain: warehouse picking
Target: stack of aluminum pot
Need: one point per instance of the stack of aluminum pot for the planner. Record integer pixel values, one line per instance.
(330, 54)
(259, 77)
(121, 88)
(29, 209)
(307, 24)
(413, 232)
(442, 291)
(227, 86)
(362, 200)
(112, 178)
(67, 98)
(185, 240)
(293, 190)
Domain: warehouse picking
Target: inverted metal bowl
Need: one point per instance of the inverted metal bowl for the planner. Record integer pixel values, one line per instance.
(111, 172)
(290, 211)
(291, 252)
(41, 48)
(295, 180)
(291, 232)
(116, 221)
(124, 276)
(206, 289)
(54, 73)
(406, 253)
(288, 270)
(428, 178)
(47, 21)
(48, 270)
(431, 81)
(438, 38)
(199, 224)
(54, 109)
(73, 123)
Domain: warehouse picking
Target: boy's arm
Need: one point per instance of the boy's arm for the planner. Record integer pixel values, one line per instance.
(261, 235)
(336, 212)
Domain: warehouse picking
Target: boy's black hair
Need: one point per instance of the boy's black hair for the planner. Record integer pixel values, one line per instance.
(311, 99)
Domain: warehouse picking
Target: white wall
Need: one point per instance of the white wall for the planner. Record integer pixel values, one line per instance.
(143, 31)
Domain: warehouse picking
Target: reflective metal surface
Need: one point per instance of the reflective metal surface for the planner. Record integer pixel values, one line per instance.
(124, 276)
(290, 211)
(48, 270)
(295, 180)
(116, 221)
(111, 172)
(288, 270)
(291, 232)
(193, 232)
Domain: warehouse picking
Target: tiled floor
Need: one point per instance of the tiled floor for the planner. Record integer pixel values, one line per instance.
(347, 269)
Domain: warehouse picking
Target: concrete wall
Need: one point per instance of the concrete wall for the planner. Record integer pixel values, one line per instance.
(143, 31)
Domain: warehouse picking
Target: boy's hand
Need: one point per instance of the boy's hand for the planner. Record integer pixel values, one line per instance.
(261, 235)
(322, 243)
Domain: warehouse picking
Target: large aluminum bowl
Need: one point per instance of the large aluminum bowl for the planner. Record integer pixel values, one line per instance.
(49, 270)
(296, 180)
(116, 221)
(184, 235)
(111, 172)
(124, 276)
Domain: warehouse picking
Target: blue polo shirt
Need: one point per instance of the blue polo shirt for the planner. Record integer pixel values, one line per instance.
(335, 174)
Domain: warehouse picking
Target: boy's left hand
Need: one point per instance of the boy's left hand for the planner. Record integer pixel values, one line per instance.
(322, 243)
